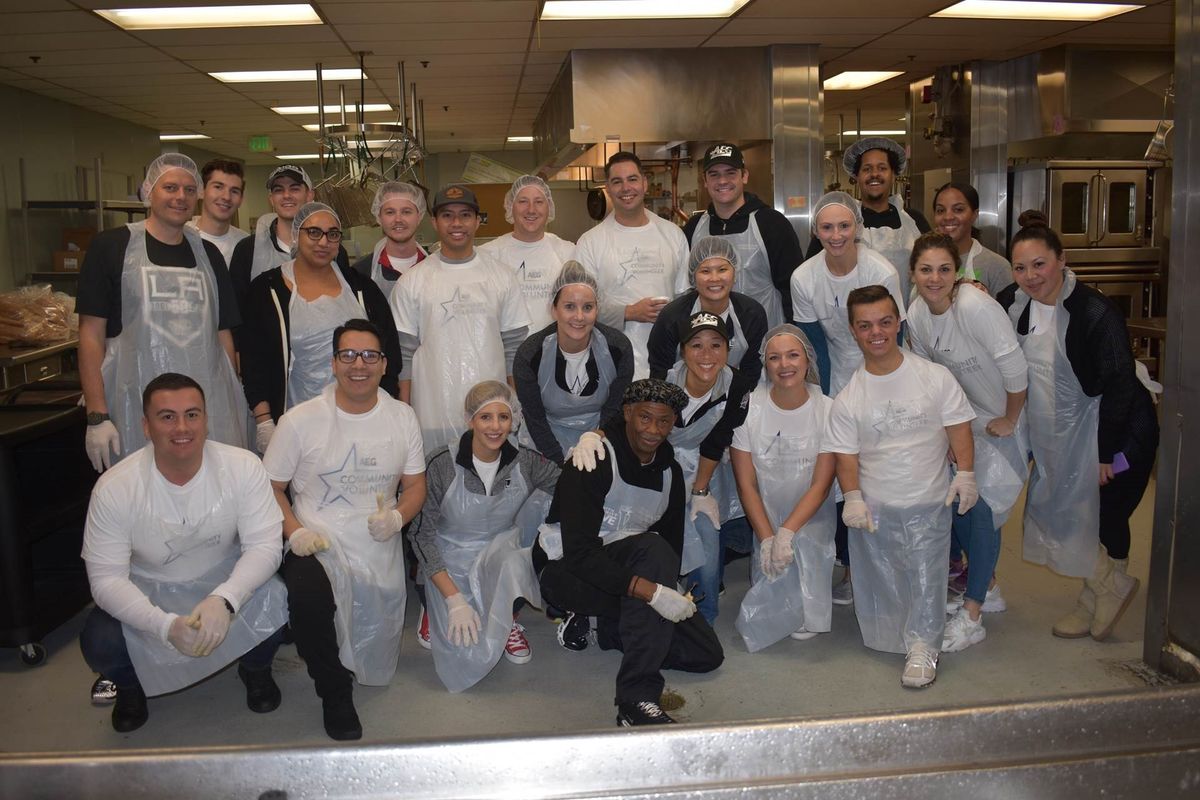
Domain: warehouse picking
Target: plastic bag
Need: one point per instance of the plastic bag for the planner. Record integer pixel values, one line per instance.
(33, 315)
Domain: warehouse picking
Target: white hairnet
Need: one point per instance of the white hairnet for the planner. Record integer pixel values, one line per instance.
(519, 184)
(392, 189)
(710, 247)
(164, 164)
(486, 392)
(813, 375)
(839, 199)
(306, 211)
(573, 273)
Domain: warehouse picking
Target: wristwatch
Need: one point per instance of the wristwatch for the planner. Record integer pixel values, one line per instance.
(700, 492)
(228, 605)
(96, 417)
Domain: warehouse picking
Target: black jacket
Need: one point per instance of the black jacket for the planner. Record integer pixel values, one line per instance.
(663, 345)
(263, 357)
(241, 262)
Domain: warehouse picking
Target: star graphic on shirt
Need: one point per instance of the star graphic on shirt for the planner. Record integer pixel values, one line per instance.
(447, 310)
(628, 266)
(332, 479)
(181, 546)
(889, 412)
(521, 269)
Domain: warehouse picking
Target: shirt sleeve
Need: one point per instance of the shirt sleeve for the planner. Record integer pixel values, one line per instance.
(955, 406)
(423, 534)
(283, 455)
(414, 460)
(841, 428)
(612, 312)
(542, 472)
(260, 531)
(99, 292)
(802, 305)
(406, 307)
(741, 438)
(663, 345)
(733, 415)
(511, 339)
(529, 393)
(514, 314)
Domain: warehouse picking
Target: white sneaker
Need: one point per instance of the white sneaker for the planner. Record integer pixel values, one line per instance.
(802, 634)
(993, 602)
(962, 632)
(920, 668)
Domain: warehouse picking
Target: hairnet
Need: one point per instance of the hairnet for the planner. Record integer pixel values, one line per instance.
(519, 184)
(387, 191)
(855, 152)
(486, 392)
(573, 273)
(653, 390)
(813, 375)
(839, 199)
(306, 211)
(710, 247)
(164, 164)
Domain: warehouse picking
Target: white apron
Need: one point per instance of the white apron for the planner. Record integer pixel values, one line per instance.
(478, 538)
(753, 274)
(160, 667)
(266, 255)
(895, 244)
(383, 283)
(1062, 507)
(169, 324)
(310, 335)
(784, 462)
(367, 577)
(569, 415)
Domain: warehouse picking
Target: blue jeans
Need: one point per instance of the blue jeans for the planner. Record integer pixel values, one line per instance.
(980, 540)
(736, 533)
(103, 644)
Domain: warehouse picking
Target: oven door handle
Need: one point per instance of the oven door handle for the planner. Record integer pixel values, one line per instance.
(1102, 215)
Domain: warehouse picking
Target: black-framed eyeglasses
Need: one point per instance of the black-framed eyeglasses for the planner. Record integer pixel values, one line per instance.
(349, 356)
(333, 234)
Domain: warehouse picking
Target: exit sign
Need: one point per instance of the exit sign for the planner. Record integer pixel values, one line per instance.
(260, 144)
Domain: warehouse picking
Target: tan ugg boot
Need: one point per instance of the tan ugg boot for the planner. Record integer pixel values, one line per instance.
(1113, 597)
(1078, 623)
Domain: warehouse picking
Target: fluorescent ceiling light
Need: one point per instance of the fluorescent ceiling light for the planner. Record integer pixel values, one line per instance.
(875, 133)
(334, 109)
(282, 75)
(181, 137)
(639, 9)
(847, 81)
(148, 19)
(520, 139)
(307, 156)
(1020, 9)
(316, 126)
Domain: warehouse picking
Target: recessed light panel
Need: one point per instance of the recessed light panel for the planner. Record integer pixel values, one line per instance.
(368, 108)
(150, 19)
(639, 9)
(847, 81)
(1020, 9)
(284, 75)
(181, 137)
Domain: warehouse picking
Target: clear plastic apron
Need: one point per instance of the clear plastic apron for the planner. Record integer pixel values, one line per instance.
(686, 441)
(1062, 507)
(895, 244)
(753, 275)
(266, 255)
(383, 283)
(569, 415)
(311, 324)
(784, 462)
(628, 511)
(844, 354)
(160, 667)
(480, 548)
(367, 577)
(169, 324)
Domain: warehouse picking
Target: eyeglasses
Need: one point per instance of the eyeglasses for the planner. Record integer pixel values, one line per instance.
(315, 233)
(349, 356)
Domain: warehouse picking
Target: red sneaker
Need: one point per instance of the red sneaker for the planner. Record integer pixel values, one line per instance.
(517, 649)
(423, 630)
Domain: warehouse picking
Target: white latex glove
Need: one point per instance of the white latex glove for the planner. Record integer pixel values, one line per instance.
(102, 443)
(383, 525)
(263, 433)
(765, 562)
(587, 451)
(963, 485)
(305, 542)
(856, 514)
(671, 605)
(210, 619)
(781, 550)
(705, 504)
(183, 637)
(464, 622)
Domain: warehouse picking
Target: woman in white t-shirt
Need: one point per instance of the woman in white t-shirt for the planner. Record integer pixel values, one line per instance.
(783, 480)
(958, 326)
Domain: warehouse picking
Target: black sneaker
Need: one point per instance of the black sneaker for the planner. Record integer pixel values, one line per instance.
(104, 692)
(630, 715)
(573, 632)
(130, 711)
(341, 720)
(262, 693)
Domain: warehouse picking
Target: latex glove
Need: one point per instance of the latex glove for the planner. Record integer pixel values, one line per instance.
(856, 514)
(464, 622)
(263, 433)
(305, 542)
(183, 637)
(385, 522)
(210, 619)
(671, 605)
(102, 442)
(705, 504)
(587, 451)
(765, 562)
(781, 550)
(1000, 427)
(963, 485)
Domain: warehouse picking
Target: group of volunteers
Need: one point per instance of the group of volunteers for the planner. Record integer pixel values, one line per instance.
(586, 429)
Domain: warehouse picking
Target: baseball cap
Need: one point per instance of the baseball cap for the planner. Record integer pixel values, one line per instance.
(701, 321)
(289, 171)
(723, 153)
(449, 195)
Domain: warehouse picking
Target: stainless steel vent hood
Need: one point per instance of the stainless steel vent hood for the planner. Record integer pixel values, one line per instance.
(1101, 91)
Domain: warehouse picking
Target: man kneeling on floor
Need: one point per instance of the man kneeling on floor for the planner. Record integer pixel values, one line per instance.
(610, 548)
(182, 543)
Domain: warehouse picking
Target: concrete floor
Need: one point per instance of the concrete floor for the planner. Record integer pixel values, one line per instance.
(562, 691)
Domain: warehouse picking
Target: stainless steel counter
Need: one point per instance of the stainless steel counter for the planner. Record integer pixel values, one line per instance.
(21, 365)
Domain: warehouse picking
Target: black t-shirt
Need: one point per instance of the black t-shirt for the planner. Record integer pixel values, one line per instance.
(100, 276)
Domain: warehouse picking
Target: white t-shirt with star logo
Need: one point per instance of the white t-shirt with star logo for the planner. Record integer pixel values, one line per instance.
(536, 265)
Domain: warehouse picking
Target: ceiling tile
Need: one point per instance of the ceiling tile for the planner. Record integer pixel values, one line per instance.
(436, 31)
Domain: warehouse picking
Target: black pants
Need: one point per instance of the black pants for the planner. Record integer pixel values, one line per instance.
(1119, 498)
(649, 642)
(310, 610)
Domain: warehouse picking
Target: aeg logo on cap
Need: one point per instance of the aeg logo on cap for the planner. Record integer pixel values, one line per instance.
(704, 318)
(454, 193)
(721, 151)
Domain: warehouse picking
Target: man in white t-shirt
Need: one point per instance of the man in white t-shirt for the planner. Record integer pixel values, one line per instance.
(890, 428)
(635, 256)
(399, 208)
(181, 546)
(534, 254)
(344, 455)
(224, 184)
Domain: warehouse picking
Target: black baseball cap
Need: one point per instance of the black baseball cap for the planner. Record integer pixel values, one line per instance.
(701, 321)
(292, 171)
(454, 193)
(723, 153)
